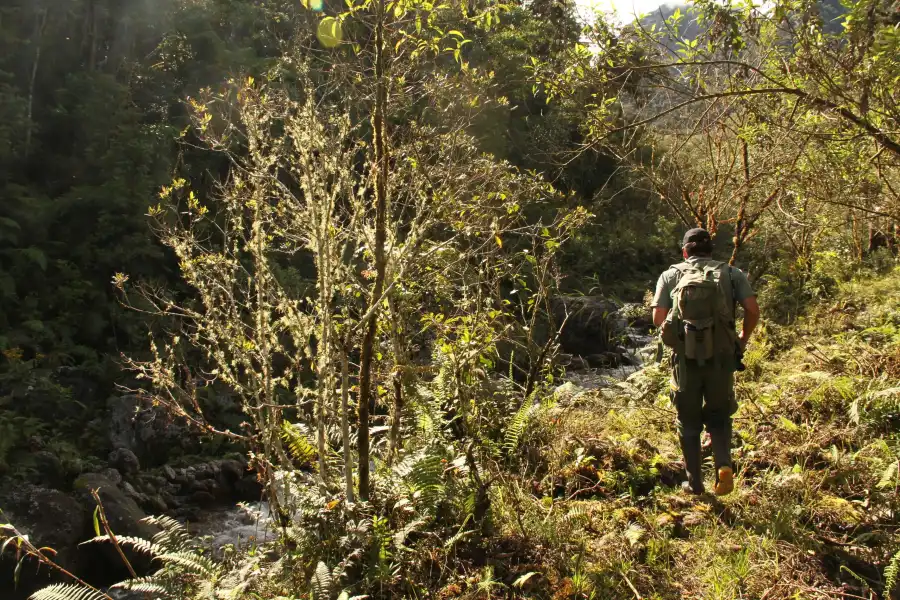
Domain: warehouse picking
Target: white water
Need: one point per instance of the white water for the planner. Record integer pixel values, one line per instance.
(241, 526)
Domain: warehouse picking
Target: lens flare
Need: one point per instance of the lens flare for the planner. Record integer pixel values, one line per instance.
(330, 32)
(313, 5)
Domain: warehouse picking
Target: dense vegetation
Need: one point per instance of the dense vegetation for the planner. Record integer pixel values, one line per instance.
(335, 239)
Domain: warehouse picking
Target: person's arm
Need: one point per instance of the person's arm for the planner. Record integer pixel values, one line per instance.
(751, 319)
(659, 315)
(661, 300)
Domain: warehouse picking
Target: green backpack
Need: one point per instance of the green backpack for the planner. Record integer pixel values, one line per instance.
(700, 324)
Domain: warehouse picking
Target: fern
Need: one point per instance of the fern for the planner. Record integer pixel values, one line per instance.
(173, 536)
(402, 534)
(190, 562)
(517, 426)
(298, 441)
(322, 582)
(139, 544)
(67, 591)
(423, 473)
(150, 586)
(892, 575)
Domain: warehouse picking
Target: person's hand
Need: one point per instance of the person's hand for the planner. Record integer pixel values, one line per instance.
(742, 341)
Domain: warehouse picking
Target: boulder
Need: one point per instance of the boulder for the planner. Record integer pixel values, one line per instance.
(47, 469)
(146, 431)
(113, 475)
(49, 518)
(122, 512)
(248, 489)
(125, 461)
(591, 324)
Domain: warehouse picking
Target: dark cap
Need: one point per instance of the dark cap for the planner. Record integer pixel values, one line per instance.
(696, 235)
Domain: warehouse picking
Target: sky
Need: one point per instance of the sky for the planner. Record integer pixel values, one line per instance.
(623, 9)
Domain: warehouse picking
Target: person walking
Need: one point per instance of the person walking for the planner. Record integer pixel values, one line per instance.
(695, 308)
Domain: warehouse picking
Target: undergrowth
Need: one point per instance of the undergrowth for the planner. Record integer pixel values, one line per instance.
(577, 494)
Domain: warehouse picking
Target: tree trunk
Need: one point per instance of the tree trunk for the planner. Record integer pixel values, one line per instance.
(399, 369)
(368, 344)
(345, 422)
(38, 40)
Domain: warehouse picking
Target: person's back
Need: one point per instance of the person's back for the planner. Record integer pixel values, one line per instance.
(694, 306)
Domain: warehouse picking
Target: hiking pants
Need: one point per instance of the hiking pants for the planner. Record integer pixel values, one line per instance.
(704, 395)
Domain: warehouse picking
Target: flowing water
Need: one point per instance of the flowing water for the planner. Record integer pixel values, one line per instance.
(239, 526)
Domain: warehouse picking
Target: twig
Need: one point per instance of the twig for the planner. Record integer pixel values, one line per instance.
(109, 532)
(633, 589)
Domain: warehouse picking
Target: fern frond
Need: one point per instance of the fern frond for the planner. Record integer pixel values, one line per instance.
(139, 544)
(172, 537)
(517, 425)
(892, 575)
(578, 513)
(298, 441)
(400, 536)
(191, 563)
(321, 582)
(424, 473)
(67, 591)
(152, 587)
(163, 522)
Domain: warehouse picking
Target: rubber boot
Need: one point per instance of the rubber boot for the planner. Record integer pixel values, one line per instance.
(721, 445)
(693, 464)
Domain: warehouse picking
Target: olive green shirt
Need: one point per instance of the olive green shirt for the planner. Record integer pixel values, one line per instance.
(666, 285)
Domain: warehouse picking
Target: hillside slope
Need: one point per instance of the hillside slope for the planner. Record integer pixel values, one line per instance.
(814, 514)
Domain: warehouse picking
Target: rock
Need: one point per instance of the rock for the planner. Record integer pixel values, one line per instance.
(49, 518)
(248, 488)
(232, 470)
(113, 475)
(148, 488)
(48, 469)
(170, 500)
(590, 326)
(169, 473)
(156, 505)
(125, 461)
(201, 485)
(567, 392)
(147, 431)
(202, 498)
(122, 512)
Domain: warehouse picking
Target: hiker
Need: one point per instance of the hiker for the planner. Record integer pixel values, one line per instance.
(694, 307)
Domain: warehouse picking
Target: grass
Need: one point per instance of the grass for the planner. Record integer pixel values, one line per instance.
(596, 513)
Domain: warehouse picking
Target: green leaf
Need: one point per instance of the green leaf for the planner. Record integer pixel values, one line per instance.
(788, 424)
(97, 521)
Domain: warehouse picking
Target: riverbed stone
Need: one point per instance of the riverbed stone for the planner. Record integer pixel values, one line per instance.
(121, 510)
(49, 518)
(125, 461)
(590, 324)
(112, 475)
